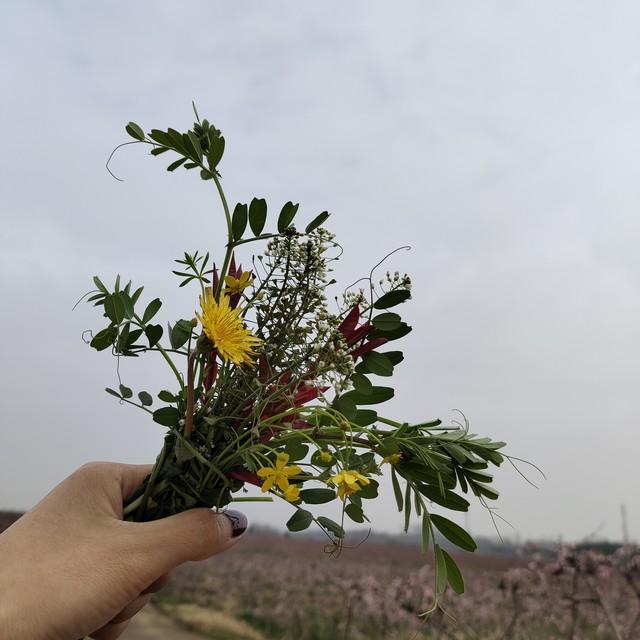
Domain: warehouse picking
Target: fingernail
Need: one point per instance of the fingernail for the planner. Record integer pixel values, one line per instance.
(238, 522)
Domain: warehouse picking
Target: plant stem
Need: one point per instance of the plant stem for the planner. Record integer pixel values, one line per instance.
(152, 479)
(188, 418)
(227, 257)
(165, 355)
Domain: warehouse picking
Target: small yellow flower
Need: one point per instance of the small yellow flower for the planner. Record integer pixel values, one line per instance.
(348, 482)
(394, 458)
(279, 475)
(223, 326)
(291, 493)
(237, 285)
(326, 456)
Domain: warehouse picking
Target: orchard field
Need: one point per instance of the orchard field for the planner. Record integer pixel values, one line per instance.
(286, 588)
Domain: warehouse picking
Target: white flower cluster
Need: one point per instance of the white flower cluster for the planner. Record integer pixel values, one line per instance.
(396, 281)
(293, 317)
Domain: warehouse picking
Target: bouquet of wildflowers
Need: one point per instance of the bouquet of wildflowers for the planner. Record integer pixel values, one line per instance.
(276, 387)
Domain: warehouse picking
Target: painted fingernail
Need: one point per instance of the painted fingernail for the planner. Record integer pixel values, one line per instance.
(238, 522)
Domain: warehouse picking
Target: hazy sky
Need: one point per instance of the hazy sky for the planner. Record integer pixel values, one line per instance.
(501, 140)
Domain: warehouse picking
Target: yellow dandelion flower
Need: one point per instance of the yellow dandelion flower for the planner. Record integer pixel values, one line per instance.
(394, 458)
(348, 482)
(223, 326)
(279, 475)
(237, 285)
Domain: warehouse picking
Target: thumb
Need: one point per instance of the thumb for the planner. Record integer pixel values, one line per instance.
(194, 534)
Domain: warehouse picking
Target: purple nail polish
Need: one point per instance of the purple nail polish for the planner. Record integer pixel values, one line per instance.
(238, 522)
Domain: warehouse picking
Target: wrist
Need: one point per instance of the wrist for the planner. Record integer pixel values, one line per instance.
(16, 622)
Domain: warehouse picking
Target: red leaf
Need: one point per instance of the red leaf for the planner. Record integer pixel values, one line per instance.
(361, 332)
(368, 346)
(245, 476)
(212, 370)
(348, 325)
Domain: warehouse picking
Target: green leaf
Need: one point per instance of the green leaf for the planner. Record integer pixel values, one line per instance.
(456, 452)
(441, 569)
(395, 334)
(135, 131)
(152, 308)
(378, 364)
(345, 406)
(454, 576)
(300, 520)
(114, 308)
(167, 416)
(487, 492)
(257, 215)
(386, 321)
(361, 383)
(104, 339)
(123, 337)
(369, 491)
(354, 512)
(396, 357)
(389, 445)
(317, 496)
(100, 285)
(407, 507)
(125, 392)
(448, 499)
(136, 294)
(127, 305)
(113, 393)
(180, 333)
(331, 526)
(178, 163)
(454, 533)
(184, 453)
(167, 396)
(177, 141)
(161, 137)
(397, 492)
(296, 449)
(426, 532)
(286, 216)
(194, 145)
(378, 394)
(316, 222)
(215, 153)
(145, 399)
(365, 417)
(391, 299)
(424, 474)
(239, 221)
(153, 333)
(156, 151)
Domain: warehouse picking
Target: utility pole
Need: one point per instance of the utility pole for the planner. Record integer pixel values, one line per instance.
(625, 526)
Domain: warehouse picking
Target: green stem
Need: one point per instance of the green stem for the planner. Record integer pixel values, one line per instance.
(152, 480)
(227, 257)
(391, 423)
(165, 355)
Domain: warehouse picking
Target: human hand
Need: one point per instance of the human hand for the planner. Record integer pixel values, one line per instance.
(71, 567)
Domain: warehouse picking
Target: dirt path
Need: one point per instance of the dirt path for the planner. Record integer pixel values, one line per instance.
(150, 624)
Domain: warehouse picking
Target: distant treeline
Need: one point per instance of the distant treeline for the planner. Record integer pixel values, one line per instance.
(7, 518)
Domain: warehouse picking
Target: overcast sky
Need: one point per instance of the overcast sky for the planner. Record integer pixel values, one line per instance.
(501, 140)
